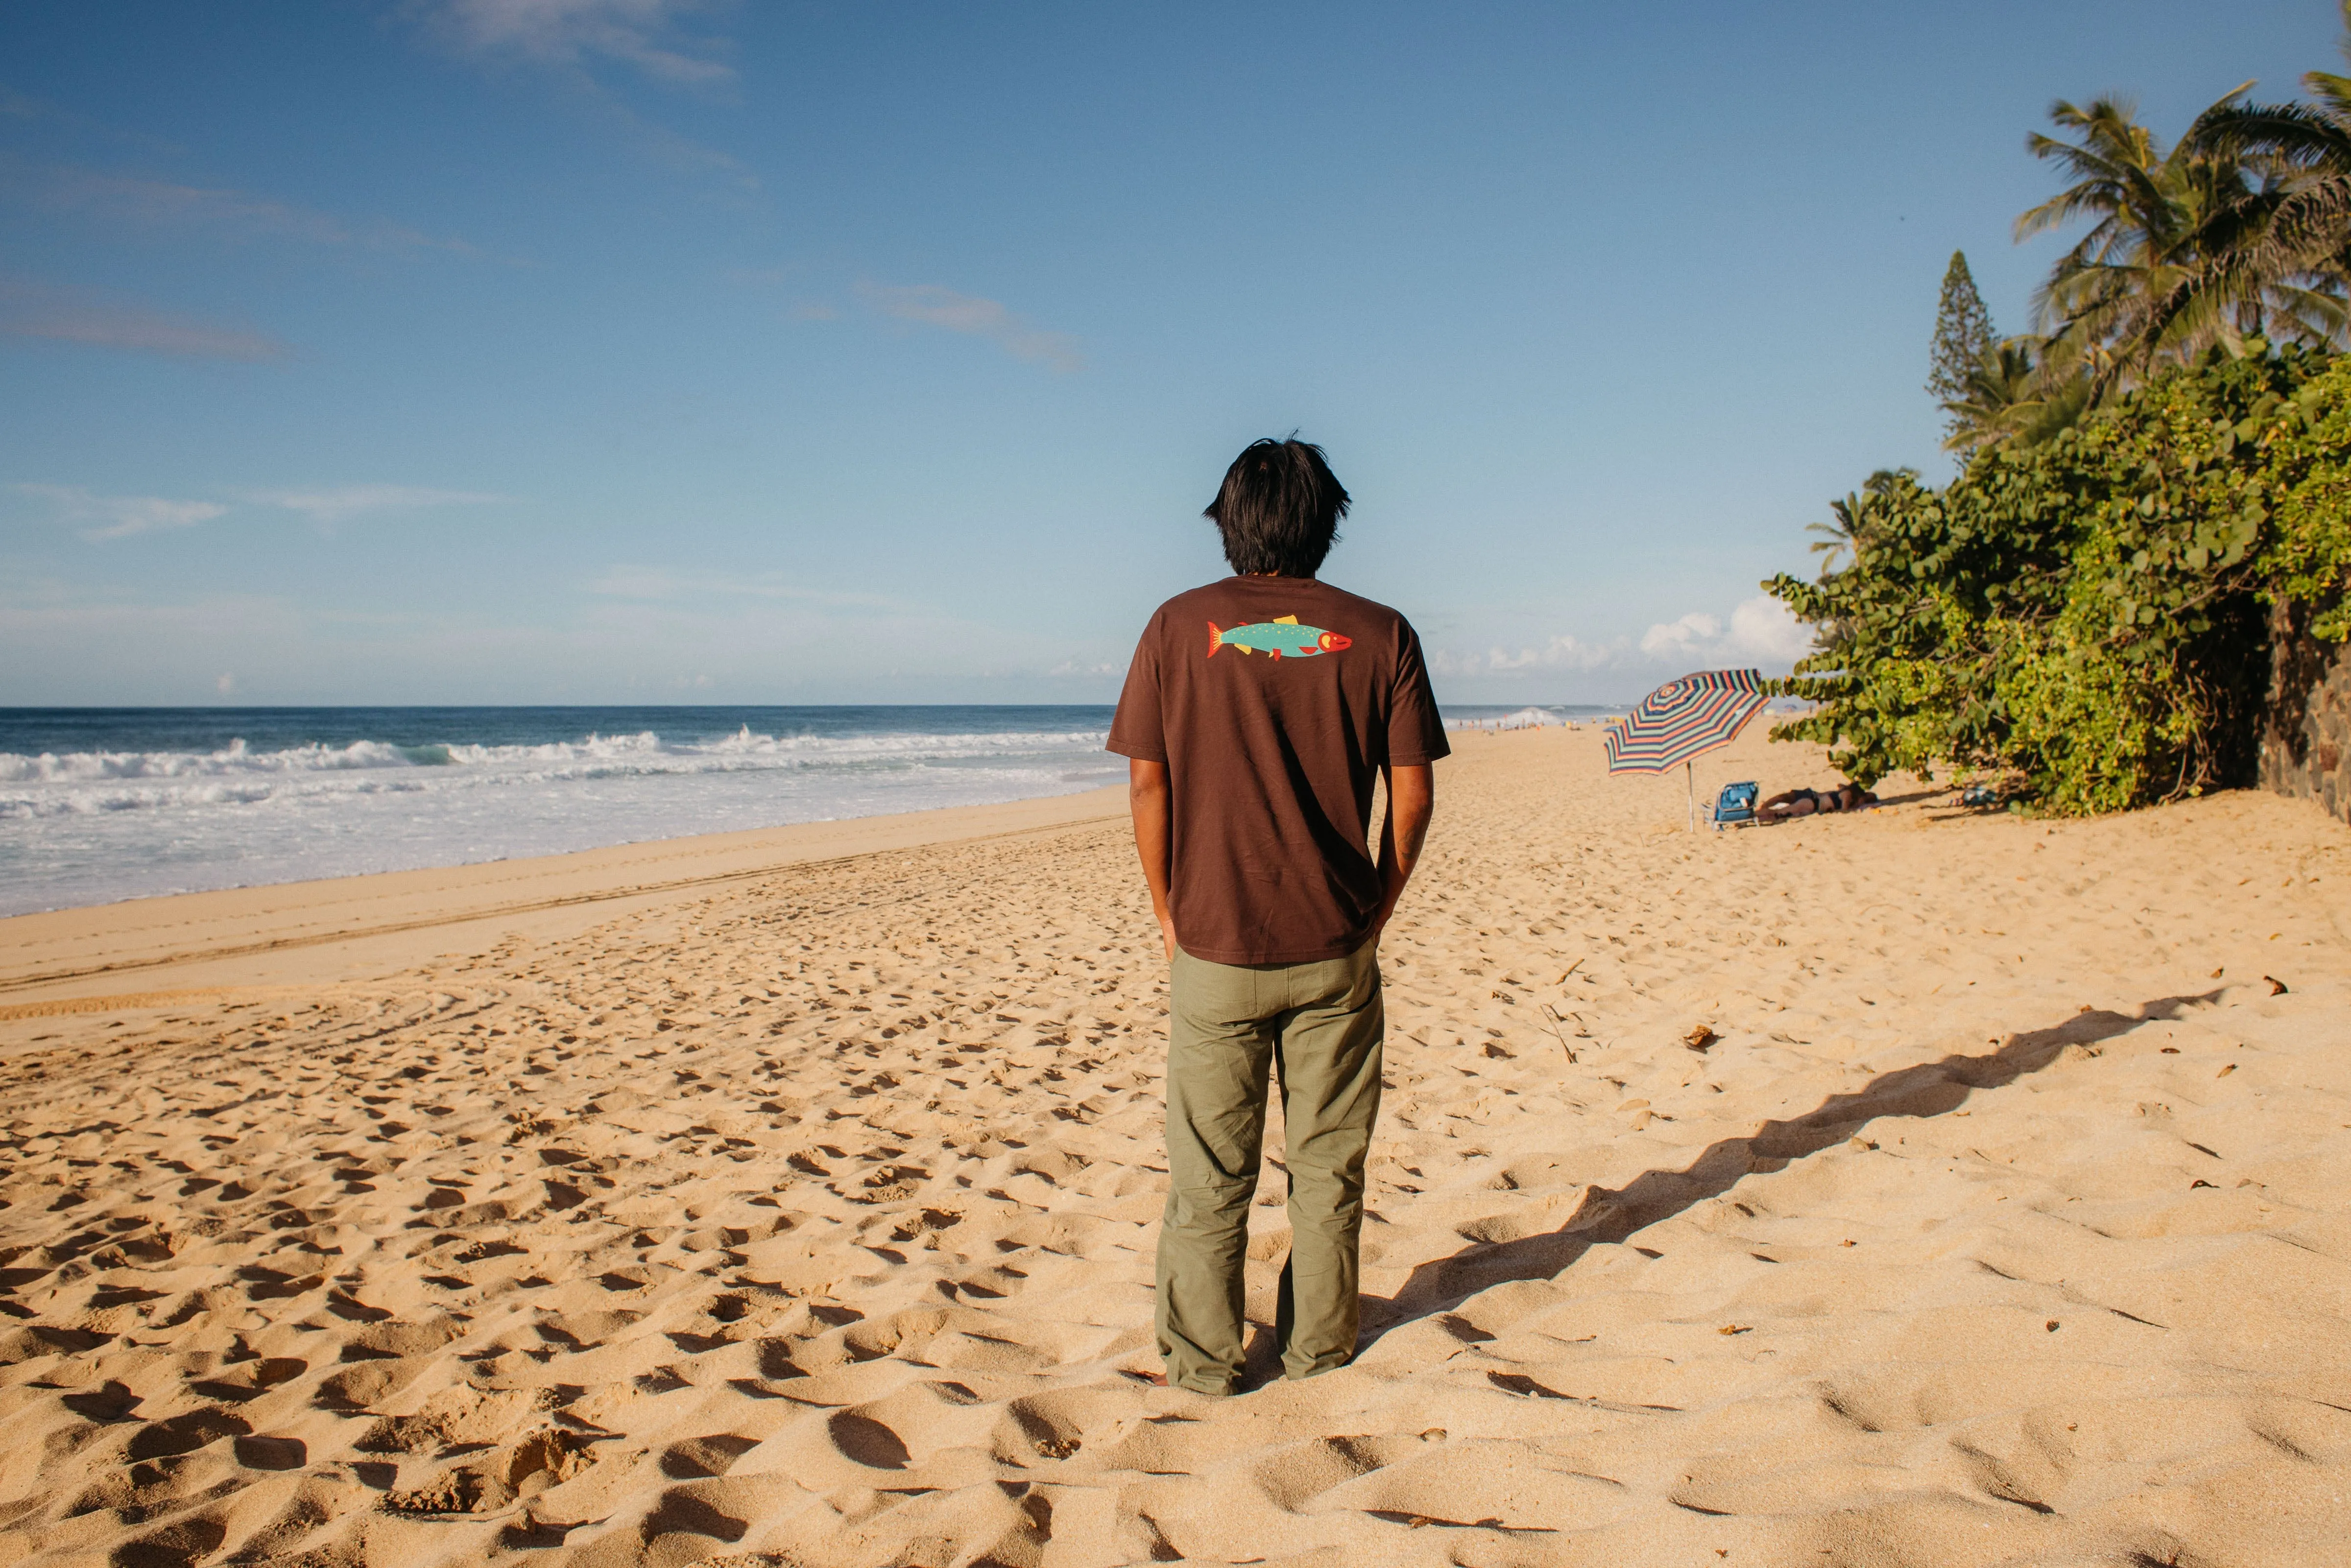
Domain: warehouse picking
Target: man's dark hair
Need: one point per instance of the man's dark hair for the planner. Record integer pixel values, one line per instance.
(1278, 508)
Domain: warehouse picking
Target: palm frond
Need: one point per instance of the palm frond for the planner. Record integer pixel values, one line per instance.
(2241, 228)
(2319, 317)
(2334, 91)
(2308, 227)
(2075, 201)
(2294, 136)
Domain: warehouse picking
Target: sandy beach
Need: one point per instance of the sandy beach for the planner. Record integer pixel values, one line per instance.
(1916, 1188)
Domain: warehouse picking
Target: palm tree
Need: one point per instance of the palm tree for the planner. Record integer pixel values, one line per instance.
(1852, 519)
(2012, 397)
(2122, 301)
(2000, 397)
(2291, 240)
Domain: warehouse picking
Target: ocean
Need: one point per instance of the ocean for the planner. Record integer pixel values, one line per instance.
(101, 804)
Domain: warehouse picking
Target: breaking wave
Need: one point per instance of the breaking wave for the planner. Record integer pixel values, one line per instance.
(90, 782)
(103, 806)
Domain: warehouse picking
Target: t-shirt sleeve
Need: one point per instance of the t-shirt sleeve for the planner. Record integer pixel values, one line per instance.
(1416, 729)
(1139, 728)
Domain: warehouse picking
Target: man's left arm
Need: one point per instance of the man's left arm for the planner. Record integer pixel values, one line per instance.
(1412, 800)
(1155, 838)
(1138, 732)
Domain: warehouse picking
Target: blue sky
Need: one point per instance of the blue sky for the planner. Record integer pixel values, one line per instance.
(600, 351)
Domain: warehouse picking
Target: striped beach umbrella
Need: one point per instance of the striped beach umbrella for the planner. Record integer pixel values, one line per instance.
(1683, 720)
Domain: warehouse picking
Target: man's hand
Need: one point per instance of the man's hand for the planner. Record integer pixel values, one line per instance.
(1147, 797)
(1412, 800)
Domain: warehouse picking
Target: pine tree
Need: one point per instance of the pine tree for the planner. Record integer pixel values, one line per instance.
(1963, 334)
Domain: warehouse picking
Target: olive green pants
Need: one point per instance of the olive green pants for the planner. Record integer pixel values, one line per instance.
(1318, 1026)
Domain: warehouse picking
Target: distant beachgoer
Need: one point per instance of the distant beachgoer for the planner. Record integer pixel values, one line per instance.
(1258, 714)
(1811, 803)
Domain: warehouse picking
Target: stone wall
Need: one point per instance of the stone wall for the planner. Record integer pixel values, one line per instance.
(2307, 730)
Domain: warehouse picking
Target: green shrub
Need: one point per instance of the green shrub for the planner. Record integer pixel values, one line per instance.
(2309, 555)
(2084, 616)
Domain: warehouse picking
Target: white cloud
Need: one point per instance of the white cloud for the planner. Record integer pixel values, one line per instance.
(577, 34)
(1761, 631)
(328, 507)
(1561, 652)
(929, 304)
(114, 516)
(36, 310)
(1766, 628)
(1678, 638)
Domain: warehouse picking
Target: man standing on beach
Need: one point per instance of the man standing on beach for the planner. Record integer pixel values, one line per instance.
(1257, 714)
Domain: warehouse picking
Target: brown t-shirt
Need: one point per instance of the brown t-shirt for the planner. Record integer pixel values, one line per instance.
(1275, 700)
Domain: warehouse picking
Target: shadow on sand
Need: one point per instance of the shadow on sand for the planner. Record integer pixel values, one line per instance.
(1929, 1088)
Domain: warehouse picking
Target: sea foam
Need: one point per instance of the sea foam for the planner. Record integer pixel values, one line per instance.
(84, 826)
(77, 782)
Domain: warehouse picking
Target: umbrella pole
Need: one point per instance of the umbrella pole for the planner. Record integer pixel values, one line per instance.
(1689, 777)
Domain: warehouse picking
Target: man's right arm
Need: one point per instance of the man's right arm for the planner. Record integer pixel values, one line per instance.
(1155, 838)
(1412, 800)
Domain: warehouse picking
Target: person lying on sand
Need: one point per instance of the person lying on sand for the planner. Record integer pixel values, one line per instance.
(1257, 715)
(1809, 802)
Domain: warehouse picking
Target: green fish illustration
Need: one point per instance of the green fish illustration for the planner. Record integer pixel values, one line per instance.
(1280, 637)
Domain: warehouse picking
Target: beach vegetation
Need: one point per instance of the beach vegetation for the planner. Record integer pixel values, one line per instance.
(2238, 234)
(2087, 617)
(2007, 398)
(2150, 479)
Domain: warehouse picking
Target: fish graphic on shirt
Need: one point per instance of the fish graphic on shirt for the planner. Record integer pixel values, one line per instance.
(1281, 637)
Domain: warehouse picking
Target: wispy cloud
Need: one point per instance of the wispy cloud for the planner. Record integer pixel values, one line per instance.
(580, 42)
(328, 507)
(16, 106)
(68, 315)
(773, 277)
(1564, 652)
(665, 584)
(578, 34)
(157, 204)
(929, 304)
(1760, 631)
(114, 516)
(1085, 669)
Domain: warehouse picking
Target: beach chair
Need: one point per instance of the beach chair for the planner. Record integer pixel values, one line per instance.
(1735, 807)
